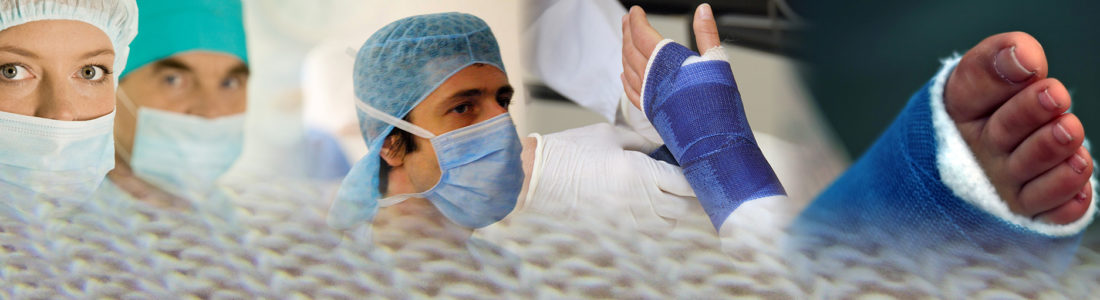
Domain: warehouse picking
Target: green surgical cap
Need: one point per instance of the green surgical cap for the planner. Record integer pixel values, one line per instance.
(170, 27)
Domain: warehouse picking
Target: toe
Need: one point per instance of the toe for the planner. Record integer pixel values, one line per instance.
(1044, 148)
(1056, 187)
(992, 72)
(1028, 110)
(1070, 211)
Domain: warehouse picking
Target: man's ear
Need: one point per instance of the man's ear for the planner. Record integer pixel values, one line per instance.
(393, 157)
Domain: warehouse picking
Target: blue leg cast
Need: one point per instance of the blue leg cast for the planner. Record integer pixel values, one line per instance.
(894, 198)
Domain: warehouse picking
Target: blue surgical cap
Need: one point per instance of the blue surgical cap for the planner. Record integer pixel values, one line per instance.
(169, 27)
(395, 69)
(117, 18)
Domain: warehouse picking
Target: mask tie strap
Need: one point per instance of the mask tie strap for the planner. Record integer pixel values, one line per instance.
(132, 109)
(399, 123)
(394, 200)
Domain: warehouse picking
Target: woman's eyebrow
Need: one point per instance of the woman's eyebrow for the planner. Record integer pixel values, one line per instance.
(99, 52)
(18, 51)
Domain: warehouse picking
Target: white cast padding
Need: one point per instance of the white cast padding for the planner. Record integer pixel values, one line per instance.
(960, 171)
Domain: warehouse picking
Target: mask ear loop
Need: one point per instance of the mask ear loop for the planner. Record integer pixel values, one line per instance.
(393, 200)
(123, 99)
(399, 123)
(396, 122)
(403, 125)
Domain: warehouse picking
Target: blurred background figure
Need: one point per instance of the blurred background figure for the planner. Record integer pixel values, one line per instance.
(181, 101)
(326, 94)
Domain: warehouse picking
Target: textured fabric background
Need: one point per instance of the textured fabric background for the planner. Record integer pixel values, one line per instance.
(281, 248)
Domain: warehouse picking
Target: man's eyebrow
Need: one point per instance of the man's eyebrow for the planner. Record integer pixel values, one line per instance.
(470, 93)
(240, 69)
(99, 52)
(170, 63)
(19, 51)
(507, 89)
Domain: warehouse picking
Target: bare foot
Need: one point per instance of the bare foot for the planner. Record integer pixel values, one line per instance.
(1014, 119)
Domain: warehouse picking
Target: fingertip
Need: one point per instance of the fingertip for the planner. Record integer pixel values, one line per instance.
(703, 12)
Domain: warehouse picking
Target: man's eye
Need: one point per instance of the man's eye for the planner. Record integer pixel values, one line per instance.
(14, 72)
(463, 108)
(231, 83)
(173, 79)
(504, 101)
(93, 73)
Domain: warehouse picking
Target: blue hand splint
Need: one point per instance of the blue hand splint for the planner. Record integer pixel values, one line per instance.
(662, 154)
(698, 113)
(894, 197)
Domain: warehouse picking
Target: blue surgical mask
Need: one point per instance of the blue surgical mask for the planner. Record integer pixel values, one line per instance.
(44, 158)
(184, 154)
(481, 171)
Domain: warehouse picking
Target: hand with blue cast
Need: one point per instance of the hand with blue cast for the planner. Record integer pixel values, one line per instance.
(694, 104)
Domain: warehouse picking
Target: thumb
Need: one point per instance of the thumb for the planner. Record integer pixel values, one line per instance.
(706, 30)
(677, 199)
(670, 179)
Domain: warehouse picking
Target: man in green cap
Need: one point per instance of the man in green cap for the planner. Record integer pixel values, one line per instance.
(181, 101)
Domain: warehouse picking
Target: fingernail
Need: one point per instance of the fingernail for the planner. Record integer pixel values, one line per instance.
(705, 12)
(1061, 134)
(1009, 67)
(1047, 101)
(1078, 163)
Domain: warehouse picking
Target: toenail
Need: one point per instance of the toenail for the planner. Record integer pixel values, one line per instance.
(1078, 163)
(1009, 67)
(1061, 134)
(1047, 101)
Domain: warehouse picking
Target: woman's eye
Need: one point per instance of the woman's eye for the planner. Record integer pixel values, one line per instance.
(14, 72)
(93, 73)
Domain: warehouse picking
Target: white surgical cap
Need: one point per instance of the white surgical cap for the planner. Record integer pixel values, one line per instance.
(116, 18)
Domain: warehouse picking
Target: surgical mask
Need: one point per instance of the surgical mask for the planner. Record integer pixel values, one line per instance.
(52, 159)
(183, 154)
(481, 172)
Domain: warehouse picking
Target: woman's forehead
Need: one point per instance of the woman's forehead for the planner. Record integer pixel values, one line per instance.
(56, 39)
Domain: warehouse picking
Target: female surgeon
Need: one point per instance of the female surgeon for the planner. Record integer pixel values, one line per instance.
(59, 62)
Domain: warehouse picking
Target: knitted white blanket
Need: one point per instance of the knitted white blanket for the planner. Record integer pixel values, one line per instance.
(281, 248)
